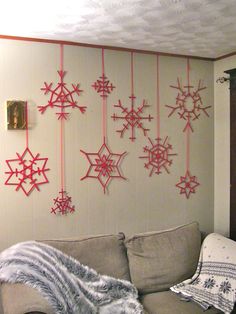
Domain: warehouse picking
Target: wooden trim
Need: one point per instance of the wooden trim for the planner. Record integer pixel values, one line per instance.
(71, 43)
(232, 73)
(226, 56)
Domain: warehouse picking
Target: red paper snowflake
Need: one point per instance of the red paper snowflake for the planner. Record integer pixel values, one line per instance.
(62, 204)
(27, 171)
(187, 184)
(158, 156)
(61, 97)
(132, 118)
(104, 165)
(103, 86)
(188, 105)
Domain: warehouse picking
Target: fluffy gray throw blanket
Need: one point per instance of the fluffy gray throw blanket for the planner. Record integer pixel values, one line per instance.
(70, 287)
(214, 282)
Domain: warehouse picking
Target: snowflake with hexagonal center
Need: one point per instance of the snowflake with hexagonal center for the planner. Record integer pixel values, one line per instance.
(132, 118)
(104, 165)
(187, 184)
(188, 104)
(158, 156)
(27, 171)
(103, 86)
(62, 204)
(61, 97)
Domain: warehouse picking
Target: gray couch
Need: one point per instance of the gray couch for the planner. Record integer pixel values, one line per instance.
(153, 261)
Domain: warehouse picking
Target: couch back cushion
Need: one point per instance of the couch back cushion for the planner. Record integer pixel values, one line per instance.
(106, 253)
(158, 260)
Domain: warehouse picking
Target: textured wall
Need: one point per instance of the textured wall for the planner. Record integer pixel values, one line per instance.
(139, 204)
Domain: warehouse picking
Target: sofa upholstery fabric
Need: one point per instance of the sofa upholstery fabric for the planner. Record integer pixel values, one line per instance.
(69, 286)
(106, 254)
(167, 302)
(159, 259)
(21, 299)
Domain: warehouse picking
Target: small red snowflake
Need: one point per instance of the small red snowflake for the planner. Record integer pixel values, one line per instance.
(103, 86)
(187, 184)
(62, 204)
(27, 171)
(188, 104)
(158, 156)
(61, 97)
(132, 118)
(104, 165)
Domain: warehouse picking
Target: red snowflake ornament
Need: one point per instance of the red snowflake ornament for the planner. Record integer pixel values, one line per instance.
(27, 171)
(188, 104)
(62, 204)
(61, 97)
(132, 118)
(103, 86)
(104, 165)
(158, 156)
(187, 184)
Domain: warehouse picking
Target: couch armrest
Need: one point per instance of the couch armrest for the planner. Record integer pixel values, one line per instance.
(21, 299)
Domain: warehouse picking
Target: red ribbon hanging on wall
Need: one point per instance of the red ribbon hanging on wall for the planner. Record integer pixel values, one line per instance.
(132, 117)
(62, 203)
(104, 165)
(158, 153)
(188, 183)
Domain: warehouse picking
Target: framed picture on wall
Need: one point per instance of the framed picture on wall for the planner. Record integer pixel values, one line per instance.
(16, 115)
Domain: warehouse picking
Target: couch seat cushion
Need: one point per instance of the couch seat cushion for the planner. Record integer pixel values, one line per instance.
(158, 260)
(167, 302)
(106, 253)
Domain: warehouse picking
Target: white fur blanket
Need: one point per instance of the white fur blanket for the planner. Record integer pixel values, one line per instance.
(70, 287)
(214, 283)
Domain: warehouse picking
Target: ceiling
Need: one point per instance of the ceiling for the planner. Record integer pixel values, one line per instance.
(205, 28)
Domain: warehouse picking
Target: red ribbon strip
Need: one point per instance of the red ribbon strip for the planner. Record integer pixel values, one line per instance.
(62, 125)
(158, 100)
(26, 121)
(188, 128)
(104, 103)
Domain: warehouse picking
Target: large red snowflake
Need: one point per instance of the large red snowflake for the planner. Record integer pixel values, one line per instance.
(104, 165)
(187, 184)
(188, 104)
(61, 97)
(158, 156)
(132, 118)
(103, 86)
(27, 171)
(62, 204)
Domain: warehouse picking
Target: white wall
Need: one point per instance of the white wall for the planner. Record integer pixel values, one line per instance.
(222, 146)
(139, 204)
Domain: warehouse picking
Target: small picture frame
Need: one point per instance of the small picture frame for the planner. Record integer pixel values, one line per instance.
(16, 115)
